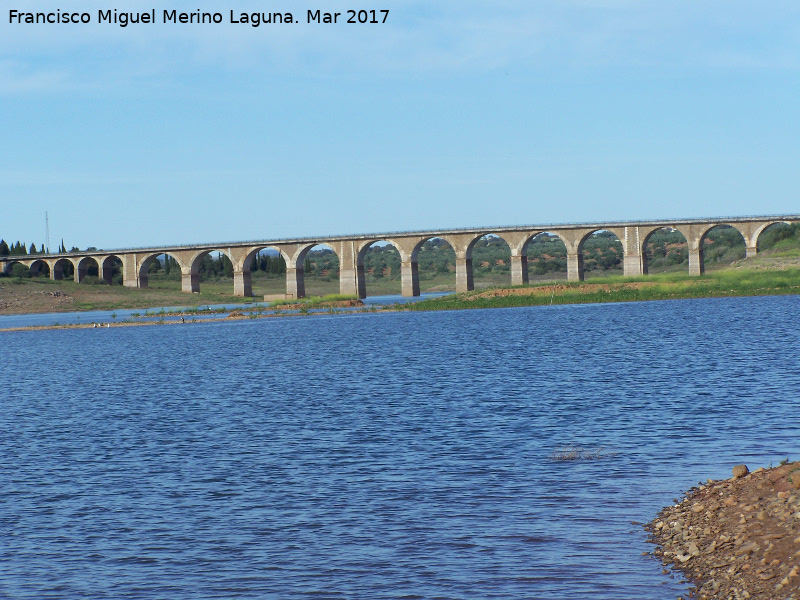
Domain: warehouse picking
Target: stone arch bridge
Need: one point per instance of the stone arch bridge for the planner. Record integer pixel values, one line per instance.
(351, 250)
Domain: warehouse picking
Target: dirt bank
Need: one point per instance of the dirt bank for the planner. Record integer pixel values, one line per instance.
(737, 538)
(25, 296)
(21, 299)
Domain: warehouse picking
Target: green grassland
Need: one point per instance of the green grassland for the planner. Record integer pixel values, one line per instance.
(717, 284)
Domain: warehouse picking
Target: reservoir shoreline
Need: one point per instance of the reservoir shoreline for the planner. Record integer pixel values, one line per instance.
(37, 298)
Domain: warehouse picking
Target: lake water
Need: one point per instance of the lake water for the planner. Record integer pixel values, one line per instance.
(381, 456)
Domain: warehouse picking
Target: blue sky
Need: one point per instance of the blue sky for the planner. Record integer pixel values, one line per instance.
(451, 114)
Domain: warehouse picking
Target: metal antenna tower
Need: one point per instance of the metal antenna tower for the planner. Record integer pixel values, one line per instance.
(47, 232)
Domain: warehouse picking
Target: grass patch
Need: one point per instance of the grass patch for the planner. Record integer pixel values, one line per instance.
(718, 284)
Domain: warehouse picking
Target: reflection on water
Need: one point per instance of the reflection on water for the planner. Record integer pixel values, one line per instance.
(380, 455)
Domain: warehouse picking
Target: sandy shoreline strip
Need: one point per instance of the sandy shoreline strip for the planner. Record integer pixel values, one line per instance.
(738, 538)
(235, 314)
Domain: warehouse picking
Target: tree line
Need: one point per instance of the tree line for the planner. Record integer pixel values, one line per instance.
(22, 249)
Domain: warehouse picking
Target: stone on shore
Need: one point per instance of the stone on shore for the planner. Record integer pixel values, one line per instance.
(740, 471)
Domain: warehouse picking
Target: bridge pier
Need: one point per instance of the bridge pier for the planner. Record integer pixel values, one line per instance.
(361, 281)
(634, 260)
(751, 251)
(464, 281)
(295, 282)
(348, 270)
(519, 270)
(242, 283)
(190, 282)
(348, 282)
(575, 266)
(634, 265)
(696, 266)
(130, 271)
(409, 276)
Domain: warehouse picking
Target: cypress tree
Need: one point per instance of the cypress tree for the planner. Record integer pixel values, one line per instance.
(4, 249)
(32, 249)
(226, 266)
(274, 265)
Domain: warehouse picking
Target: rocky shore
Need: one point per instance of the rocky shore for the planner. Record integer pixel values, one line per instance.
(738, 538)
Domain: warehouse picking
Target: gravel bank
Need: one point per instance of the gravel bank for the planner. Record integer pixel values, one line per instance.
(737, 538)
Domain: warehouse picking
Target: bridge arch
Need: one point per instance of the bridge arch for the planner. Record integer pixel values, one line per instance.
(264, 267)
(378, 267)
(418, 246)
(62, 267)
(435, 254)
(294, 256)
(585, 240)
(22, 267)
(87, 266)
(39, 267)
(321, 269)
(488, 254)
(190, 282)
(143, 269)
(252, 260)
(8, 267)
(543, 251)
(777, 229)
(721, 242)
(665, 252)
(110, 267)
(296, 267)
